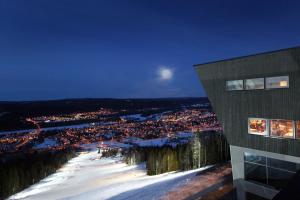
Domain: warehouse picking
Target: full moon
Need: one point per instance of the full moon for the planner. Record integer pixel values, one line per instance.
(165, 73)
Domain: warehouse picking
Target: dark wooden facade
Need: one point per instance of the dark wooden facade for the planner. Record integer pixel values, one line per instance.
(233, 108)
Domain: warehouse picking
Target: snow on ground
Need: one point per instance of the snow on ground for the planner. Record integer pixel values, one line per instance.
(89, 147)
(182, 137)
(135, 117)
(88, 177)
(184, 134)
(115, 144)
(157, 142)
(77, 126)
(46, 144)
(131, 139)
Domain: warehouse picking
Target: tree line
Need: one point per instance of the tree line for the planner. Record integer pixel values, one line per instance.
(206, 148)
(20, 171)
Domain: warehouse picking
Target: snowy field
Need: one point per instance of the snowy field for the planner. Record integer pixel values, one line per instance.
(88, 177)
(77, 126)
(47, 143)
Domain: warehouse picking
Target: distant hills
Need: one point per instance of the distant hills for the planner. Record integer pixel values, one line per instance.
(12, 114)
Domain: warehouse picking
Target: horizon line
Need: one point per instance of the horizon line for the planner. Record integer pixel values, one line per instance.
(98, 98)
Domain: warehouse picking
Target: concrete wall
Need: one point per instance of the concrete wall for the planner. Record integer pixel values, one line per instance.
(233, 108)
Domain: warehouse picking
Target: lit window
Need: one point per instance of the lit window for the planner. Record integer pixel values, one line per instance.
(277, 82)
(282, 128)
(255, 84)
(258, 126)
(298, 129)
(234, 85)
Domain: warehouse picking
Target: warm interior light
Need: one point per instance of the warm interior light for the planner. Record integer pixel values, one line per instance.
(282, 128)
(283, 83)
(257, 126)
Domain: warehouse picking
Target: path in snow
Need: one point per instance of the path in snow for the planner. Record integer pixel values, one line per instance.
(88, 177)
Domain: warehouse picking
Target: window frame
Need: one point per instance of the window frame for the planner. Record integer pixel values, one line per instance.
(263, 81)
(295, 124)
(281, 137)
(226, 85)
(271, 88)
(265, 85)
(270, 168)
(267, 131)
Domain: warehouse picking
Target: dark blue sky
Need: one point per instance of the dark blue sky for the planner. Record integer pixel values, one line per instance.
(52, 49)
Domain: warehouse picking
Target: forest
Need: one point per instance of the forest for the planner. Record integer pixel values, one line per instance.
(206, 148)
(20, 171)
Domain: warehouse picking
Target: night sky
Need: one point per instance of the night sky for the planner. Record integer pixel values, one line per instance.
(53, 49)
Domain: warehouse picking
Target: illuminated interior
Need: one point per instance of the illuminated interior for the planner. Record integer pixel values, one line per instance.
(257, 126)
(282, 128)
(298, 129)
(277, 82)
(283, 83)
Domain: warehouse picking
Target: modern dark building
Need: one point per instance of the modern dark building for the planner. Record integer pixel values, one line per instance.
(257, 101)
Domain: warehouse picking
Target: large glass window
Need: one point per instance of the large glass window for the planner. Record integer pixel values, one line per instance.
(254, 172)
(283, 165)
(253, 158)
(255, 84)
(278, 178)
(234, 85)
(258, 126)
(269, 171)
(277, 82)
(282, 128)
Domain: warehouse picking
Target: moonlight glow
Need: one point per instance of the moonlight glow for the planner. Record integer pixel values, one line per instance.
(165, 73)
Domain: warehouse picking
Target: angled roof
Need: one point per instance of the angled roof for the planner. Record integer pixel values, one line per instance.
(246, 56)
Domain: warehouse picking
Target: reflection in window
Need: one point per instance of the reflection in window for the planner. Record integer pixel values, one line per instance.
(254, 172)
(282, 128)
(255, 84)
(234, 85)
(298, 129)
(279, 178)
(283, 165)
(257, 126)
(253, 158)
(277, 82)
(269, 171)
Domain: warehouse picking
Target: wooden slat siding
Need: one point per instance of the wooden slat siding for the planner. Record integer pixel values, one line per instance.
(233, 108)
